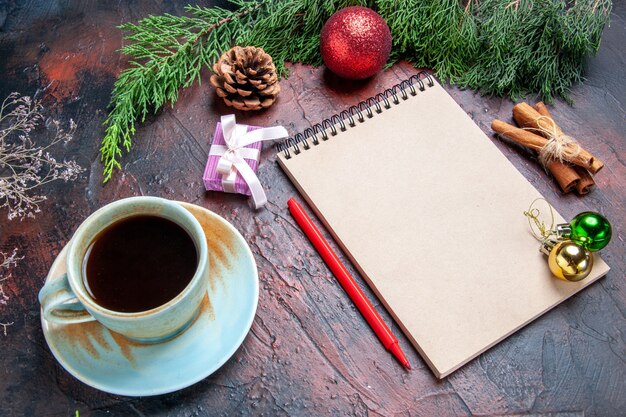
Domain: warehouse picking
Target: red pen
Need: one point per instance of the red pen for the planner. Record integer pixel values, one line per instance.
(347, 282)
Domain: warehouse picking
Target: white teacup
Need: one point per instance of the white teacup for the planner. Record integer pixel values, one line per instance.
(66, 300)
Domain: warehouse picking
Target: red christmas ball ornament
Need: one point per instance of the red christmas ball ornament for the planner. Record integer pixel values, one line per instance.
(355, 42)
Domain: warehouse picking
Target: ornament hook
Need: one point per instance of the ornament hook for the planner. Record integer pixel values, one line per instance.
(538, 228)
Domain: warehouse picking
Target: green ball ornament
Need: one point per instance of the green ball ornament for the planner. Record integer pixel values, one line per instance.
(590, 230)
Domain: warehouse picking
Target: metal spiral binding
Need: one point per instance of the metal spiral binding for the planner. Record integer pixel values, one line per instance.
(358, 113)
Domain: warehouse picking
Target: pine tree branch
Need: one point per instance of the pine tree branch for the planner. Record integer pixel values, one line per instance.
(501, 47)
(169, 65)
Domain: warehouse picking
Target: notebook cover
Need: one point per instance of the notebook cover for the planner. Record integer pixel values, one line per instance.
(431, 214)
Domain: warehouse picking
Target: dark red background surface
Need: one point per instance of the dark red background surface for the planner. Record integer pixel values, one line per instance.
(309, 351)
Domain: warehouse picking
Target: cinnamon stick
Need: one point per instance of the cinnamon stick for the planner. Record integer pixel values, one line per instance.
(528, 117)
(596, 165)
(586, 181)
(517, 135)
(564, 173)
(567, 177)
(541, 108)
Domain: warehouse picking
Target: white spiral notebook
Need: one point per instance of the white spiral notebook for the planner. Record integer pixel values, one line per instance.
(431, 214)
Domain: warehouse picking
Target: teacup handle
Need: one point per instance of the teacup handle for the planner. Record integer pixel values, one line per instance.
(59, 304)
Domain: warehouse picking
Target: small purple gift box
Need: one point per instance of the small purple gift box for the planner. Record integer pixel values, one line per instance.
(212, 177)
(234, 158)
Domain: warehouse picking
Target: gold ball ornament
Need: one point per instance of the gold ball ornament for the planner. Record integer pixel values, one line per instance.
(569, 261)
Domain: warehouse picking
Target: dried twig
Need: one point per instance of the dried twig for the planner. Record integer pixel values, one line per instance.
(25, 166)
(8, 261)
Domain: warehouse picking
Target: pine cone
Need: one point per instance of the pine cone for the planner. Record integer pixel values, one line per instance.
(246, 78)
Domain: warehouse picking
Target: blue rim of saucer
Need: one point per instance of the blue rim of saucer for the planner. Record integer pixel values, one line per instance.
(113, 364)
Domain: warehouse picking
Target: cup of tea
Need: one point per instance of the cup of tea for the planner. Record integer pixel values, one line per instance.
(139, 266)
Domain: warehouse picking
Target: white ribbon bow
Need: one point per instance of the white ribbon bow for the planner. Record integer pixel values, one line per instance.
(232, 155)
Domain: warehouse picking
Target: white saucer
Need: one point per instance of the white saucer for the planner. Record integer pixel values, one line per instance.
(112, 363)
